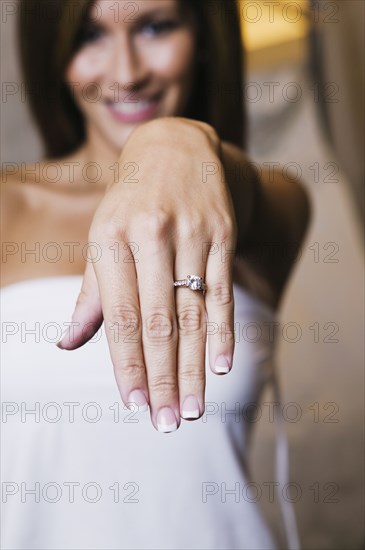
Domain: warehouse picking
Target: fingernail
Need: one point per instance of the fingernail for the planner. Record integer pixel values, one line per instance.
(190, 408)
(166, 420)
(137, 399)
(222, 365)
(63, 338)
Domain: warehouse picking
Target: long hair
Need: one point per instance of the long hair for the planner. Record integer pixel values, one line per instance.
(48, 31)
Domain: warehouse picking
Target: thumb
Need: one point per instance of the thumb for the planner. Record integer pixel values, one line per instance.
(87, 316)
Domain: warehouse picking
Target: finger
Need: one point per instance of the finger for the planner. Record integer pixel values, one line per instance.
(219, 303)
(190, 307)
(119, 299)
(87, 316)
(159, 335)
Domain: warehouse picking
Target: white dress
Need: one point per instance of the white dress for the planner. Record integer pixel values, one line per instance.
(80, 471)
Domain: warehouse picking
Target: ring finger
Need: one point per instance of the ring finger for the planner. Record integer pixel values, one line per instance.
(190, 310)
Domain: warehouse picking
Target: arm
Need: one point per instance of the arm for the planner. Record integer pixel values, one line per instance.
(272, 215)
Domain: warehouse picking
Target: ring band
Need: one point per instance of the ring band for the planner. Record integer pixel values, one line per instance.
(194, 282)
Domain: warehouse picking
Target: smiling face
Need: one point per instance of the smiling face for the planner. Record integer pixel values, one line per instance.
(134, 63)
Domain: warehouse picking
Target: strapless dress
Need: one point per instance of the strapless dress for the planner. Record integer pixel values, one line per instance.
(81, 471)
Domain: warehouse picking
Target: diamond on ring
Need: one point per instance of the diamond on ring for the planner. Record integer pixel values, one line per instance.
(194, 282)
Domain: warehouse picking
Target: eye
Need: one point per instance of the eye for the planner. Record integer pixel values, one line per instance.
(89, 34)
(156, 28)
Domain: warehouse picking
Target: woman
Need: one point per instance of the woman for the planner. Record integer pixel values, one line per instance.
(145, 183)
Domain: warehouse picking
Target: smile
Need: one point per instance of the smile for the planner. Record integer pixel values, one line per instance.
(134, 110)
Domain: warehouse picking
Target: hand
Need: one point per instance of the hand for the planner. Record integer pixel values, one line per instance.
(155, 227)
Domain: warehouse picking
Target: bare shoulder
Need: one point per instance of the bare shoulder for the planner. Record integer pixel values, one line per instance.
(28, 185)
(22, 192)
(13, 199)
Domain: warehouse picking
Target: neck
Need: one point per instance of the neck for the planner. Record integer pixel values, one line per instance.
(96, 161)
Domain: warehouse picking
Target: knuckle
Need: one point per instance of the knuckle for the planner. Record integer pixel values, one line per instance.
(124, 322)
(227, 229)
(191, 229)
(156, 223)
(107, 230)
(222, 294)
(160, 327)
(163, 385)
(189, 319)
(191, 375)
(133, 369)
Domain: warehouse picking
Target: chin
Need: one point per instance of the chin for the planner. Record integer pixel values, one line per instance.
(118, 139)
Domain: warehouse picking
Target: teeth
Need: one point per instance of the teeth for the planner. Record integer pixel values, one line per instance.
(131, 108)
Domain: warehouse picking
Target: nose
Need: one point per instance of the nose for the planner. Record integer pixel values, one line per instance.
(127, 68)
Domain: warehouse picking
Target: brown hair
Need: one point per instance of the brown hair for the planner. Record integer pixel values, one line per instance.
(48, 32)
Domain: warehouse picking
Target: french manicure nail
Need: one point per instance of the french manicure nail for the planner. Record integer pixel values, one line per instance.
(166, 420)
(222, 365)
(190, 408)
(137, 399)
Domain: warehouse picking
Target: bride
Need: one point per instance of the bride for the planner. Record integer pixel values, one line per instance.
(148, 219)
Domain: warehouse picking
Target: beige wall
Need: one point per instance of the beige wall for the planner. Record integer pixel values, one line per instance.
(341, 57)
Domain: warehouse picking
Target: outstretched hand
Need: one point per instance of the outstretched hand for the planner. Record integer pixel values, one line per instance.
(162, 220)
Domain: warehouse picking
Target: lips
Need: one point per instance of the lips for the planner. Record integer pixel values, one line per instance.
(133, 110)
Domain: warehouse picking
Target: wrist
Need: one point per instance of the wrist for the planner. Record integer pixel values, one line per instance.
(179, 134)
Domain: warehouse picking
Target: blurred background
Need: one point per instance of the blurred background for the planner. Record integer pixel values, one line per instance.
(305, 96)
